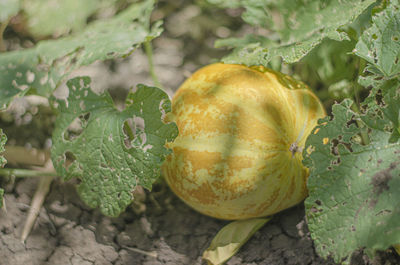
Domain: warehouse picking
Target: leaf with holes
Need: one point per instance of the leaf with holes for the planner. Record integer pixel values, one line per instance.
(301, 26)
(108, 150)
(3, 161)
(353, 200)
(380, 44)
(45, 66)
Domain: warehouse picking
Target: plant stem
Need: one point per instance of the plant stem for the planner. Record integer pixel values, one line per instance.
(17, 172)
(356, 106)
(149, 52)
(357, 86)
(36, 204)
(364, 135)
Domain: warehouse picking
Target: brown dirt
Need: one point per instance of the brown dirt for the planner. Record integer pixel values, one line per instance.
(167, 232)
(67, 232)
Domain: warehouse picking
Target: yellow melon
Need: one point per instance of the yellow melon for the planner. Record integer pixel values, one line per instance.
(241, 133)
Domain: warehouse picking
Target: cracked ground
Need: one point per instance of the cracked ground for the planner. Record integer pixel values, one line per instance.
(167, 232)
(162, 231)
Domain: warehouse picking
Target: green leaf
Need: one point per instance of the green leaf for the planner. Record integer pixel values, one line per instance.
(382, 90)
(380, 44)
(301, 26)
(8, 8)
(3, 161)
(385, 112)
(230, 238)
(353, 200)
(333, 61)
(57, 17)
(45, 66)
(257, 53)
(109, 150)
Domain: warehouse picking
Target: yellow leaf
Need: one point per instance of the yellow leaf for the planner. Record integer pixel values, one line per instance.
(230, 238)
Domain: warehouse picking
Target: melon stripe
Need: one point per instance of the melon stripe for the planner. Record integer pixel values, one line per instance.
(233, 158)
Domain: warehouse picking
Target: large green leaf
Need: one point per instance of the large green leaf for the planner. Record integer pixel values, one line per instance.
(380, 44)
(353, 200)
(92, 141)
(8, 8)
(45, 66)
(301, 26)
(3, 161)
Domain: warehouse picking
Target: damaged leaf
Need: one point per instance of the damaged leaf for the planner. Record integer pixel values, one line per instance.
(299, 27)
(380, 47)
(353, 186)
(108, 150)
(380, 44)
(45, 66)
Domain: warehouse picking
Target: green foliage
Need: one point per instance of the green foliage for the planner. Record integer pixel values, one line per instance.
(380, 44)
(8, 8)
(300, 27)
(335, 72)
(354, 158)
(49, 17)
(3, 161)
(381, 38)
(353, 188)
(109, 150)
(42, 68)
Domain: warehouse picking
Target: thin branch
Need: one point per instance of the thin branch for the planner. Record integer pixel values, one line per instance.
(37, 200)
(357, 87)
(143, 252)
(356, 106)
(17, 172)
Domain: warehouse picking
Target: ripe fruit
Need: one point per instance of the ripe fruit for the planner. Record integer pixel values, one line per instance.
(241, 133)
